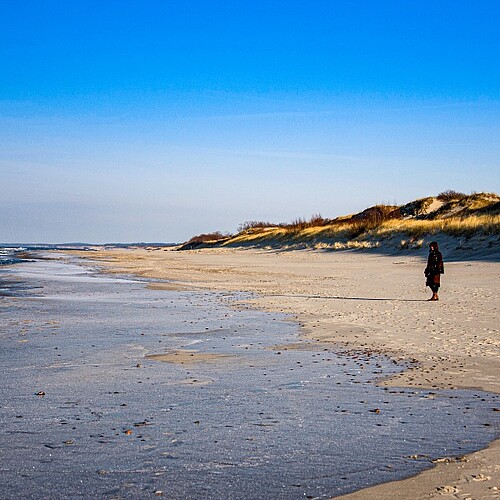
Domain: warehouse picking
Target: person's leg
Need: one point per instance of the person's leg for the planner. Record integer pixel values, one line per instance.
(435, 289)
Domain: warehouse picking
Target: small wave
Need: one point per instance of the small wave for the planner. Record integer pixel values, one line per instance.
(12, 249)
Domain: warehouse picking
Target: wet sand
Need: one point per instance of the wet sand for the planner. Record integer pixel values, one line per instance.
(376, 303)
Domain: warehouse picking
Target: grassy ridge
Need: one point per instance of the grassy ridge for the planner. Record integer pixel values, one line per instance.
(352, 235)
(408, 226)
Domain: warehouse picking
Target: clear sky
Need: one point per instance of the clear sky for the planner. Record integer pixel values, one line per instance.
(157, 120)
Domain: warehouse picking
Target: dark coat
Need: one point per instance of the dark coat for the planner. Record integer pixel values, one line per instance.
(435, 268)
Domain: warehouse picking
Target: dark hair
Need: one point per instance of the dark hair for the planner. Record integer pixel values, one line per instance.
(433, 244)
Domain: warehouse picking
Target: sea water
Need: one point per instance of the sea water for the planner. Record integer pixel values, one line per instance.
(9, 254)
(85, 413)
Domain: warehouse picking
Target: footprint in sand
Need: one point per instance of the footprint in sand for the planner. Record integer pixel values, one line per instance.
(480, 477)
(446, 490)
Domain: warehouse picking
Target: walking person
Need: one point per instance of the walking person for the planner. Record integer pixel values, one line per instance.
(434, 270)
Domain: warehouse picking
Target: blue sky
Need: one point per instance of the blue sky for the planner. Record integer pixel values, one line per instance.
(158, 120)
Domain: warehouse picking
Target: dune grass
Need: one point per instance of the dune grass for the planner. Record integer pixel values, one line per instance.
(366, 234)
(450, 213)
(459, 227)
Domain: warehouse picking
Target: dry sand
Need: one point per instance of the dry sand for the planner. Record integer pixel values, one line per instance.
(374, 302)
(185, 357)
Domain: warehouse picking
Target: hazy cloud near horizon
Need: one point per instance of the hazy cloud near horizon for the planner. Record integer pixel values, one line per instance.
(155, 124)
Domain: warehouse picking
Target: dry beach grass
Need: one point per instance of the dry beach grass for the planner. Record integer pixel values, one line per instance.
(373, 302)
(453, 215)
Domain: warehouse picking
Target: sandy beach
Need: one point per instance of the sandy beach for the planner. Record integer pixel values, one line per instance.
(372, 302)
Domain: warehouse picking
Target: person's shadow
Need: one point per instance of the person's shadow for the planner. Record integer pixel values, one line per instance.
(334, 297)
